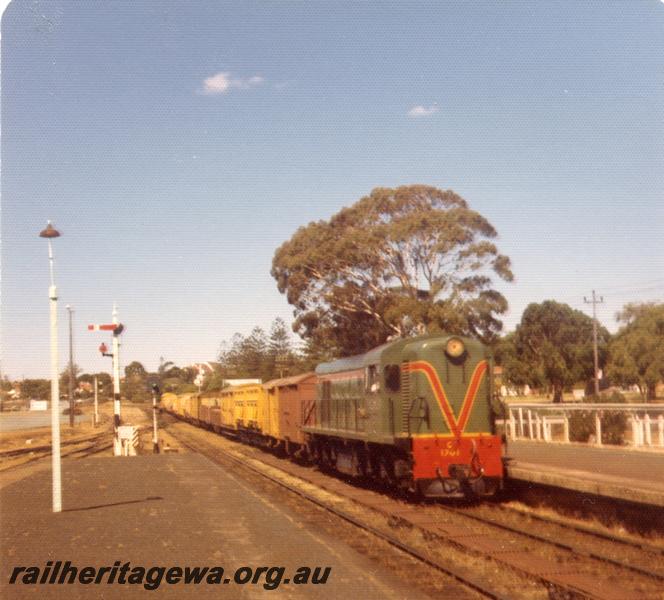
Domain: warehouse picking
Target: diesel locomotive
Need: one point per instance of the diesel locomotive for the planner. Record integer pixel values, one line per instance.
(415, 413)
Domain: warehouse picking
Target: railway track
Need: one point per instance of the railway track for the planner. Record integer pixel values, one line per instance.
(652, 552)
(602, 535)
(463, 576)
(563, 575)
(83, 446)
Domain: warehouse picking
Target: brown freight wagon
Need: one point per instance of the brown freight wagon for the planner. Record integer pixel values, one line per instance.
(208, 401)
(204, 414)
(295, 399)
(215, 418)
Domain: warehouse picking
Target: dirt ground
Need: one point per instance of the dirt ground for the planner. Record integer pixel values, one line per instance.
(131, 414)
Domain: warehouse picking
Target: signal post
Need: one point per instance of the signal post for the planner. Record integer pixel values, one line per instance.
(116, 327)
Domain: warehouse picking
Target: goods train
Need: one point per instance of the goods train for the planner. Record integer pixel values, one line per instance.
(415, 413)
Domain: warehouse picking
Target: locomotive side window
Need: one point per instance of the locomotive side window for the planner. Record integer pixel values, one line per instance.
(371, 379)
(393, 377)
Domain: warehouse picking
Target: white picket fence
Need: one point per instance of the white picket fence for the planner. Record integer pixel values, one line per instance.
(535, 421)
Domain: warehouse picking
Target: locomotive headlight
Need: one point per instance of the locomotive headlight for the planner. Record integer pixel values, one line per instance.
(454, 348)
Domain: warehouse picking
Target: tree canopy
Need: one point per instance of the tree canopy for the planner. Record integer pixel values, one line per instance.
(39, 389)
(636, 353)
(258, 355)
(64, 379)
(397, 262)
(553, 344)
(515, 372)
(135, 370)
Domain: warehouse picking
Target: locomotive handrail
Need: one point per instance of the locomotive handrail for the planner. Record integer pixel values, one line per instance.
(311, 408)
(534, 421)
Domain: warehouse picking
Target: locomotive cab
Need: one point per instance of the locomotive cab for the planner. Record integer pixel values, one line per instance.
(446, 416)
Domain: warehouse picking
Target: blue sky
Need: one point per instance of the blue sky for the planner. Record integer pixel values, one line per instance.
(176, 145)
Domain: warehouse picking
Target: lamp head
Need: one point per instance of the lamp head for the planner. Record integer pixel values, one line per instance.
(49, 232)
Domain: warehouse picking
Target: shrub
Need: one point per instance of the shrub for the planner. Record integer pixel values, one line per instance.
(582, 423)
(186, 388)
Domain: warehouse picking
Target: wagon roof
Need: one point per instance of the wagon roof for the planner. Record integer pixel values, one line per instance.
(294, 380)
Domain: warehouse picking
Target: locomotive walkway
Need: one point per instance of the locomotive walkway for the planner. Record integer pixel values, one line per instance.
(632, 475)
(170, 510)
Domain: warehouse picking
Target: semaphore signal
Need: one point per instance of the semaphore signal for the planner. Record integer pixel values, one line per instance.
(116, 328)
(109, 327)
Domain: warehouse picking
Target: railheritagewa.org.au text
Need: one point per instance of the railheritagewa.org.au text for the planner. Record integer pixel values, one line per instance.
(124, 573)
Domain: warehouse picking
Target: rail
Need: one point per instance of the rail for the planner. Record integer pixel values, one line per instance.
(536, 421)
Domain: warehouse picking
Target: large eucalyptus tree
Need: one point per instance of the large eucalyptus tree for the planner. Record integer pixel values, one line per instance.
(397, 262)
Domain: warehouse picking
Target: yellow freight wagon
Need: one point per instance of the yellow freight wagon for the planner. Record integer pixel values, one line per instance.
(189, 406)
(246, 400)
(168, 401)
(270, 425)
(177, 406)
(227, 415)
(263, 415)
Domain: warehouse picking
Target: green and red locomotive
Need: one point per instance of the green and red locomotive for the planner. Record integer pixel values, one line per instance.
(415, 412)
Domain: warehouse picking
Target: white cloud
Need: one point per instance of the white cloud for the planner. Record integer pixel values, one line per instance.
(423, 111)
(223, 82)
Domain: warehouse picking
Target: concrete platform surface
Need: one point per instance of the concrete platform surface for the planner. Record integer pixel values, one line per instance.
(612, 472)
(170, 511)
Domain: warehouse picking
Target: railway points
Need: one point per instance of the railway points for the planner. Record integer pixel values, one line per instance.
(617, 473)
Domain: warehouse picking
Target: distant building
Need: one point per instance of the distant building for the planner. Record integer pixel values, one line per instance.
(241, 381)
(203, 371)
(205, 368)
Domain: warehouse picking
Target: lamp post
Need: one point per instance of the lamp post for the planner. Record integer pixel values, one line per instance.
(155, 435)
(96, 416)
(51, 233)
(70, 310)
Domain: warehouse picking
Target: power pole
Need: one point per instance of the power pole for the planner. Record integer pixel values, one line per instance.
(70, 310)
(595, 302)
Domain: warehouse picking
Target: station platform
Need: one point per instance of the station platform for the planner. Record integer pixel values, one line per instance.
(170, 510)
(619, 473)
